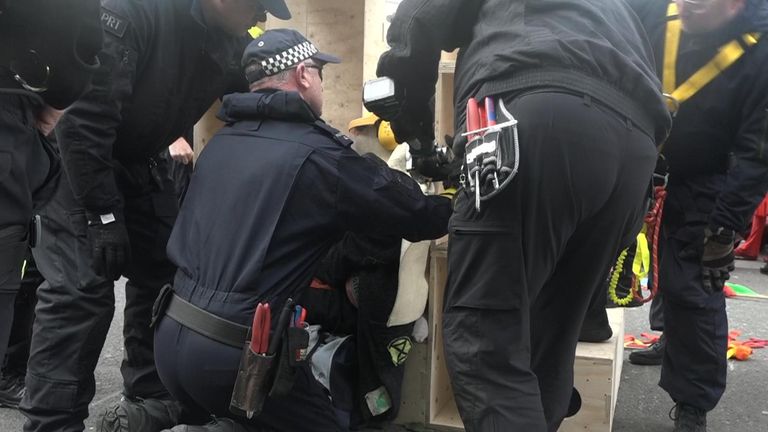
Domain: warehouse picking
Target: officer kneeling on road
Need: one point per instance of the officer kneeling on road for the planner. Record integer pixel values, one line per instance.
(253, 228)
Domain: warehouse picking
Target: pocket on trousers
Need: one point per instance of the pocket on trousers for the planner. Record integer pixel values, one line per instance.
(49, 394)
(485, 268)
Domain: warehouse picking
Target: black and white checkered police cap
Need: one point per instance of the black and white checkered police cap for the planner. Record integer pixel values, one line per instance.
(277, 50)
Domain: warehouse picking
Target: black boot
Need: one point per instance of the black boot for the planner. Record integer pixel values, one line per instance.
(12, 389)
(139, 415)
(650, 356)
(688, 418)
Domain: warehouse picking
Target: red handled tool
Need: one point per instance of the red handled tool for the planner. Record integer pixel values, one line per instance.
(473, 117)
(260, 330)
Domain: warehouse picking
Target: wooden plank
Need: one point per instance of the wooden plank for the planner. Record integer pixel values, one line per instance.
(206, 127)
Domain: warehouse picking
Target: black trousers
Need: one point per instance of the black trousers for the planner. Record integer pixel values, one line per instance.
(521, 272)
(17, 355)
(75, 308)
(27, 166)
(695, 322)
(200, 373)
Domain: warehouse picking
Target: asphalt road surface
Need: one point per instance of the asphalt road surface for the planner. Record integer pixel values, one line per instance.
(642, 406)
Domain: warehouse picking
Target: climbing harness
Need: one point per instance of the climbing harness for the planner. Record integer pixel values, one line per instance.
(727, 55)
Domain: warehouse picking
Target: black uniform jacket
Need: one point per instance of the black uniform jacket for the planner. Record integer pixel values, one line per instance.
(593, 47)
(271, 193)
(161, 68)
(716, 151)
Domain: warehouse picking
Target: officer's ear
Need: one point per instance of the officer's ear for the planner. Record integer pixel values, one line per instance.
(303, 78)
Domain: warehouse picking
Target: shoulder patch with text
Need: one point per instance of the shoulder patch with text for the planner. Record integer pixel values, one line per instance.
(113, 23)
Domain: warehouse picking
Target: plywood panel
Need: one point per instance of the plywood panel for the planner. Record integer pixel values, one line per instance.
(336, 26)
(206, 127)
(597, 367)
(377, 16)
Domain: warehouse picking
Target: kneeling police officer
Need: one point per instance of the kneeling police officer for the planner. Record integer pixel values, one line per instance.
(272, 192)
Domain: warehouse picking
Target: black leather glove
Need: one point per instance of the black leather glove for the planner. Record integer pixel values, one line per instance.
(717, 258)
(110, 247)
(415, 121)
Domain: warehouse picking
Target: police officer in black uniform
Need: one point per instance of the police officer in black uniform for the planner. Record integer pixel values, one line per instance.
(272, 192)
(164, 62)
(718, 174)
(578, 76)
(47, 58)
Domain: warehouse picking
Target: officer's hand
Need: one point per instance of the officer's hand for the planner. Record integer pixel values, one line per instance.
(181, 151)
(416, 120)
(110, 247)
(717, 260)
(47, 119)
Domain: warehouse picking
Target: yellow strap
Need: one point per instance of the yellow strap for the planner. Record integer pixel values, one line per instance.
(23, 268)
(726, 56)
(642, 263)
(672, 42)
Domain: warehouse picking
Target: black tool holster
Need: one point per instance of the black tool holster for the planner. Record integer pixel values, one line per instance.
(491, 158)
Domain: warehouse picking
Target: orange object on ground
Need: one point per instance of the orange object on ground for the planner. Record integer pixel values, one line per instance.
(750, 248)
(644, 341)
(737, 349)
(741, 350)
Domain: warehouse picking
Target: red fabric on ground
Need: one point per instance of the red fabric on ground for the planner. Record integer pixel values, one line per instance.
(750, 248)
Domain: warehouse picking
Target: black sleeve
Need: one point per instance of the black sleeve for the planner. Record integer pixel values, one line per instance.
(747, 179)
(65, 36)
(420, 30)
(87, 132)
(375, 199)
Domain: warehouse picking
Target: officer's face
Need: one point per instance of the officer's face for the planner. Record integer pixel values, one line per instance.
(701, 16)
(236, 16)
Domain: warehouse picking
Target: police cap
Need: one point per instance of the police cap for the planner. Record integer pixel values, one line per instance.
(277, 50)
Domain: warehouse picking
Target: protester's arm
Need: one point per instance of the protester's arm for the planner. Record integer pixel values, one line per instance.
(375, 199)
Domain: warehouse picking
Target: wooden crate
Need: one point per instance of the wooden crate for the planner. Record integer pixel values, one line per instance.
(597, 370)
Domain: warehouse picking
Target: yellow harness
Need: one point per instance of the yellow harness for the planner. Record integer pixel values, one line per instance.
(646, 256)
(727, 55)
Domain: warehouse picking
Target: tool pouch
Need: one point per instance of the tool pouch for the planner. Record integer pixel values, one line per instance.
(293, 354)
(491, 159)
(254, 379)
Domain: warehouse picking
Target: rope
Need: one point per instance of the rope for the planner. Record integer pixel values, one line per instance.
(653, 223)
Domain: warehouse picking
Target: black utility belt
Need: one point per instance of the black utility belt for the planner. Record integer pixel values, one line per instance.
(270, 372)
(199, 320)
